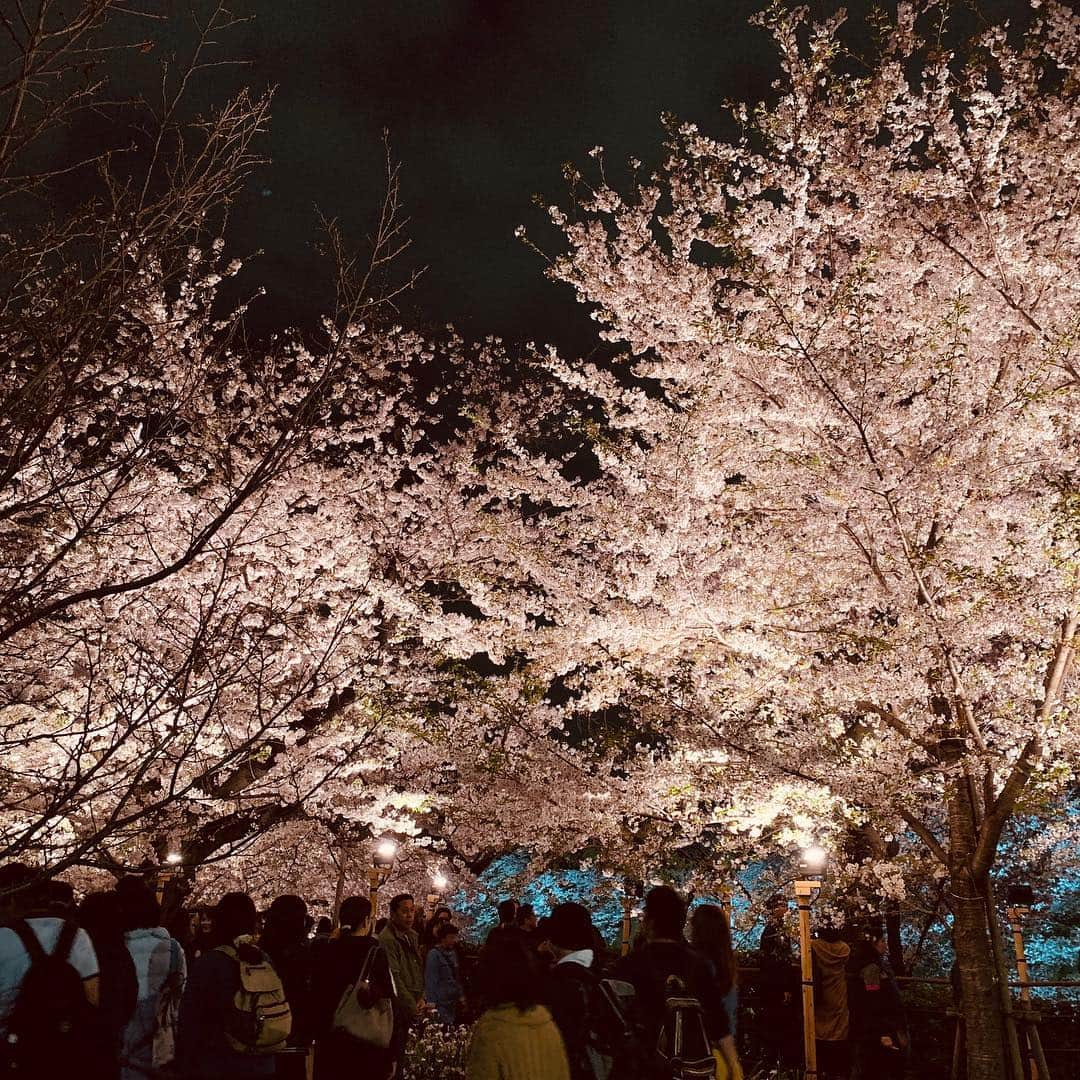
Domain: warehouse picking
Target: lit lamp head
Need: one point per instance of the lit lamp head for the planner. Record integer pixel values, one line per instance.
(440, 882)
(384, 856)
(812, 868)
(174, 858)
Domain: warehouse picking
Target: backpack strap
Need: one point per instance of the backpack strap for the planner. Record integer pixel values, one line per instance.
(66, 940)
(29, 940)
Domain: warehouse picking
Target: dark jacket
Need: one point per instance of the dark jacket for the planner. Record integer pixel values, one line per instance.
(403, 953)
(292, 962)
(336, 965)
(874, 997)
(777, 961)
(567, 997)
(202, 1051)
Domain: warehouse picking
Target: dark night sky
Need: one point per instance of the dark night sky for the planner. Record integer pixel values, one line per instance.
(484, 99)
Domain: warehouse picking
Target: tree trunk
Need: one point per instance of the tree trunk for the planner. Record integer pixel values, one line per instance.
(980, 1003)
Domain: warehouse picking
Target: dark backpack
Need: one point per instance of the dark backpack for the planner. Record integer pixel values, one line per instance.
(614, 1047)
(683, 1044)
(52, 1029)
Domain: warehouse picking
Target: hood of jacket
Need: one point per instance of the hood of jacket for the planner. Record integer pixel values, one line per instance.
(831, 954)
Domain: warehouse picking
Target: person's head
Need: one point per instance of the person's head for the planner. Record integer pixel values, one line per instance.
(877, 939)
(234, 916)
(831, 933)
(16, 884)
(443, 914)
(777, 906)
(569, 929)
(60, 899)
(665, 913)
(403, 911)
(101, 916)
(354, 914)
(507, 912)
(286, 921)
(446, 935)
(711, 934)
(509, 974)
(526, 917)
(138, 903)
(381, 925)
(323, 926)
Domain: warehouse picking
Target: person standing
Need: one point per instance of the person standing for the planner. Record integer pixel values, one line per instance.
(66, 1043)
(710, 934)
(831, 1016)
(568, 988)
(515, 1038)
(879, 1028)
(148, 1042)
(777, 986)
(507, 927)
(101, 916)
(336, 967)
(664, 953)
(403, 955)
(442, 975)
(285, 941)
(203, 1049)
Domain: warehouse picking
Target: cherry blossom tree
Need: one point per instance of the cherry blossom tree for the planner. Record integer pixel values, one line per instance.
(835, 466)
(201, 571)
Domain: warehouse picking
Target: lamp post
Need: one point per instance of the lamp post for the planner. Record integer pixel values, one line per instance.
(1020, 898)
(169, 868)
(632, 890)
(806, 889)
(439, 884)
(382, 863)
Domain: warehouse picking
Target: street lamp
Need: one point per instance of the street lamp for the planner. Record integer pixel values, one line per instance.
(174, 858)
(632, 890)
(812, 865)
(439, 884)
(382, 863)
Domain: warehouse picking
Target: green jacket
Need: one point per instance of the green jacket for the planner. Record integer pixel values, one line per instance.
(403, 952)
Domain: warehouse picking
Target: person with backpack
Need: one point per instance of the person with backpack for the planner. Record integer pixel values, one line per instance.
(148, 1043)
(49, 987)
(100, 915)
(234, 1015)
(352, 1000)
(571, 991)
(515, 1038)
(285, 941)
(679, 1003)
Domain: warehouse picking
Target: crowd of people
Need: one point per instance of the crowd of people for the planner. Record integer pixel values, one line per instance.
(102, 990)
